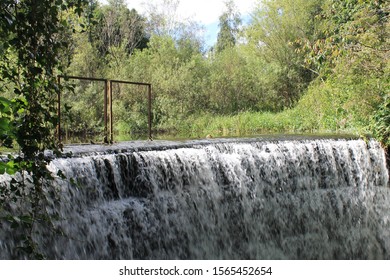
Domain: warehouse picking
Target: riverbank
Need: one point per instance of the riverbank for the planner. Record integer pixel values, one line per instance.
(290, 121)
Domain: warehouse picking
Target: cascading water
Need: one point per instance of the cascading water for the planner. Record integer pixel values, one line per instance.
(286, 199)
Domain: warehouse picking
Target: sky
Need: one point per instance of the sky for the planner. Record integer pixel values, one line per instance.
(205, 12)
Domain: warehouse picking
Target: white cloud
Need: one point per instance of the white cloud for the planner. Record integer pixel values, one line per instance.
(203, 11)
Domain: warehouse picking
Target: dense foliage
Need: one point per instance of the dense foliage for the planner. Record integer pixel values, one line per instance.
(33, 46)
(323, 63)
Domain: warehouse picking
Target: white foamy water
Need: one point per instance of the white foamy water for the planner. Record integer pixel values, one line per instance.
(303, 199)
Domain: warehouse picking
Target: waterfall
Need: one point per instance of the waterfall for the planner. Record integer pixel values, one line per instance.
(252, 199)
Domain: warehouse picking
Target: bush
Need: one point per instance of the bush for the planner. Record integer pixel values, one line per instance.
(381, 122)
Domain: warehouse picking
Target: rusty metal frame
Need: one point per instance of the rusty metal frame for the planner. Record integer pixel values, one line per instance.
(108, 112)
(149, 103)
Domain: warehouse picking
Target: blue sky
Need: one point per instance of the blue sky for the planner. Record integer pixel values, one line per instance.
(212, 30)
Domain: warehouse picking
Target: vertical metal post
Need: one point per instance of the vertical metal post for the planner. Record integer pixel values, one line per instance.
(59, 109)
(105, 111)
(150, 111)
(111, 117)
(108, 106)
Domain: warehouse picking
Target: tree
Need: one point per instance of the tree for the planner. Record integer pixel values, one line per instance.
(30, 60)
(229, 24)
(351, 52)
(350, 28)
(233, 84)
(276, 26)
(163, 18)
(178, 73)
(118, 29)
(164, 21)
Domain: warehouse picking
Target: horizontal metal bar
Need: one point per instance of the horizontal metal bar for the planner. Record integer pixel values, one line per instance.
(107, 103)
(82, 78)
(103, 80)
(131, 83)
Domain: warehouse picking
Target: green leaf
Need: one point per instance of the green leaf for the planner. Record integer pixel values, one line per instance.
(4, 125)
(12, 167)
(5, 105)
(5, 101)
(2, 167)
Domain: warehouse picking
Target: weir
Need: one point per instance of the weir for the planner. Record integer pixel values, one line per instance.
(218, 199)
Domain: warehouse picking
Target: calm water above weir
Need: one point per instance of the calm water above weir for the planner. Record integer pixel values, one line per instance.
(274, 198)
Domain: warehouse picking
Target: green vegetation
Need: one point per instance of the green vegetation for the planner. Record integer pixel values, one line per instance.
(298, 66)
(33, 46)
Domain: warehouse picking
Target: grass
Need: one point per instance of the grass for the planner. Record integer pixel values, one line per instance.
(251, 123)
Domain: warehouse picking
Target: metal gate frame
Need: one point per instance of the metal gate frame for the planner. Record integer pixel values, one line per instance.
(108, 113)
